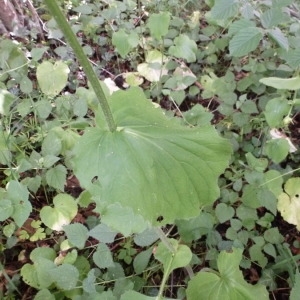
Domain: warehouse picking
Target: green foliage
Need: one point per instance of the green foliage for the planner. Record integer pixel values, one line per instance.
(227, 284)
(89, 172)
(152, 157)
(288, 202)
(52, 85)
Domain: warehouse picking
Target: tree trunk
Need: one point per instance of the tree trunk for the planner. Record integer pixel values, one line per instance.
(18, 16)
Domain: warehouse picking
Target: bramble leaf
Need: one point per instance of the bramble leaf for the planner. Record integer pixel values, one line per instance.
(245, 41)
(224, 10)
(160, 169)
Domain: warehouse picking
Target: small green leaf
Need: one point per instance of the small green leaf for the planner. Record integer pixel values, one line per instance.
(103, 233)
(44, 295)
(275, 110)
(38, 274)
(153, 68)
(245, 41)
(224, 212)
(65, 276)
(43, 108)
(56, 177)
(236, 26)
(6, 209)
(141, 261)
(224, 10)
(279, 38)
(52, 78)
(65, 209)
(77, 234)
(133, 295)
(159, 24)
(18, 194)
(124, 42)
(181, 256)
(289, 202)
(277, 149)
(295, 292)
(282, 83)
(26, 85)
(228, 284)
(51, 145)
(116, 216)
(6, 100)
(184, 48)
(273, 236)
(272, 17)
(102, 257)
(88, 284)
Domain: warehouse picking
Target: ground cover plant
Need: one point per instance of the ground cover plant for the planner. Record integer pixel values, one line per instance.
(149, 150)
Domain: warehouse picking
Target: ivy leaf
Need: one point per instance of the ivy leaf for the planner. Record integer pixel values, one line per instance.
(159, 24)
(184, 48)
(289, 202)
(228, 284)
(124, 42)
(150, 164)
(52, 78)
(245, 41)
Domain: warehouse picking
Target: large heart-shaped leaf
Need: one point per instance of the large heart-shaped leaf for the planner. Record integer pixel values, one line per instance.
(154, 165)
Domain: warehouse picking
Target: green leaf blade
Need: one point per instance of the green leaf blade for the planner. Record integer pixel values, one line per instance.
(159, 24)
(223, 10)
(245, 41)
(52, 78)
(154, 163)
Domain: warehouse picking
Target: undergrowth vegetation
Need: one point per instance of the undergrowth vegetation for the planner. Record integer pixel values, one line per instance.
(155, 159)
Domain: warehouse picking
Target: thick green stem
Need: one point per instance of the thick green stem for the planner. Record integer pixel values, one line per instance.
(90, 73)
